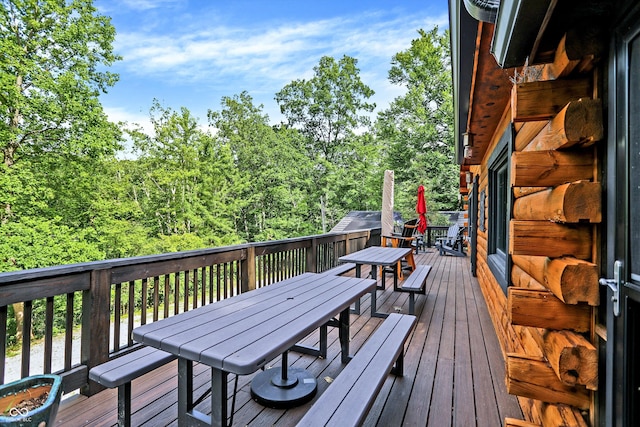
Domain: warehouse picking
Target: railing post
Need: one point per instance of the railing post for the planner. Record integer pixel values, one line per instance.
(347, 244)
(248, 270)
(311, 256)
(94, 346)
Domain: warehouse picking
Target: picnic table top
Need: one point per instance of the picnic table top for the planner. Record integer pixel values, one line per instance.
(377, 255)
(241, 334)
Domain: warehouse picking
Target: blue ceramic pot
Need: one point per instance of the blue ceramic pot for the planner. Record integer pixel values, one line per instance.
(11, 394)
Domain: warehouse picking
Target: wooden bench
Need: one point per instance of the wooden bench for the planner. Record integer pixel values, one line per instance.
(119, 372)
(348, 399)
(340, 269)
(415, 284)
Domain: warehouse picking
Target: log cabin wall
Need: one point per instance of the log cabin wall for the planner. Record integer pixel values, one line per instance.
(545, 320)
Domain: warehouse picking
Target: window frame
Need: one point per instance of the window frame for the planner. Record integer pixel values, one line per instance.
(500, 209)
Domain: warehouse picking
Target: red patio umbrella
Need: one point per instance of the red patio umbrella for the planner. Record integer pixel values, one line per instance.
(421, 209)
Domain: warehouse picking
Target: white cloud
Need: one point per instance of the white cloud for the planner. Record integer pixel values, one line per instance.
(282, 53)
(148, 4)
(193, 60)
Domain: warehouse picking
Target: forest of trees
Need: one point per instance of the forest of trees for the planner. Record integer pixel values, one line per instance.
(67, 194)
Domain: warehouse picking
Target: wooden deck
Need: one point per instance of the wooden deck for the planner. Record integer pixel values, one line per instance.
(454, 371)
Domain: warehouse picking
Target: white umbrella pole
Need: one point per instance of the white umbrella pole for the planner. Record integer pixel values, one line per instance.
(387, 203)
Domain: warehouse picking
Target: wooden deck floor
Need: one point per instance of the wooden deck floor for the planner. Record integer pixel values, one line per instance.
(454, 371)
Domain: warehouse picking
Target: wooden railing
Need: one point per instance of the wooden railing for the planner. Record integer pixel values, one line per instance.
(433, 233)
(101, 302)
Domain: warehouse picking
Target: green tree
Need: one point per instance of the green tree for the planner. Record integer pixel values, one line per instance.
(52, 53)
(185, 183)
(272, 163)
(417, 128)
(328, 109)
(54, 134)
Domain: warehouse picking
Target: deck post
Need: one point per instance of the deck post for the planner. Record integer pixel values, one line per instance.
(94, 347)
(311, 256)
(248, 270)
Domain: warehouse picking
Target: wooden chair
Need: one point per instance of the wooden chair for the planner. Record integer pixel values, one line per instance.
(406, 239)
(453, 243)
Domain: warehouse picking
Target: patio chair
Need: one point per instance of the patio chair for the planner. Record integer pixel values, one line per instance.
(406, 239)
(453, 243)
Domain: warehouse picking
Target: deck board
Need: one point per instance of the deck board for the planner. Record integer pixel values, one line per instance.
(454, 371)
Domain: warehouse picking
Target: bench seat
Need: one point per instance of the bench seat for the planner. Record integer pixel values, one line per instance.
(340, 269)
(415, 284)
(119, 372)
(347, 401)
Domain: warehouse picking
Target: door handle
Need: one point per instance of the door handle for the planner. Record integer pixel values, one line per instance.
(615, 285)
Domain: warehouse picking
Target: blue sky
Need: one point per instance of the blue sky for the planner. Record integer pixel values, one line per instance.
(192, 53)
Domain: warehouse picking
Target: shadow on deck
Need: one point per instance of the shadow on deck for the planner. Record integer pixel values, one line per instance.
(454, 370)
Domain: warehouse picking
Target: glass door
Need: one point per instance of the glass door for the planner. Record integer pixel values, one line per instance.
(622, 261)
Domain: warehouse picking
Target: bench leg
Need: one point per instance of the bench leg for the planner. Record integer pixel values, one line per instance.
(398, 369)
(343, 334)
(412, 303)
(124, 405)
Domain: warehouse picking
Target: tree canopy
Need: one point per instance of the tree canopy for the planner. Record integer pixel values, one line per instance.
(417, 128)
(51, 57)
(329, 107)
(67, 197)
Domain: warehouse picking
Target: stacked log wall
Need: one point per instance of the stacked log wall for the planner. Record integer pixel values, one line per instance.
(544, 323)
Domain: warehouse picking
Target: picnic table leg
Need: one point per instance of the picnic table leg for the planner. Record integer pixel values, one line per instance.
(374, 274)
(187, 414)
(285, 387)
(185, 390)
(356, 307)
(343, 334)
(374, 297)
(395, 277)
(218, 397)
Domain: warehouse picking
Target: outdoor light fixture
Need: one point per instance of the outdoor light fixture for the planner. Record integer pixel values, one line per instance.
(468, 152)
(469, 177)
(467, 139)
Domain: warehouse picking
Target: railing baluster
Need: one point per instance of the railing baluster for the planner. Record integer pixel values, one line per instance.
(195, 288)
(203, 280)
(186, 290)
(3, 339)
(238, 276)
(117, 307)
(211, 290)
(132, 305)
(176, 296)
(156, 298)
(68, 332)
(167, 294)
(48, 336)
(143, 305)
(26, 338)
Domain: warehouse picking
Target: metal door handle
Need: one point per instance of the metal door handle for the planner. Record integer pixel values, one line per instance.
(615, 299)
(614, 284)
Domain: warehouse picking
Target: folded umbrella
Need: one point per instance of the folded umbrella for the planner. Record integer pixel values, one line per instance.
(421, 209)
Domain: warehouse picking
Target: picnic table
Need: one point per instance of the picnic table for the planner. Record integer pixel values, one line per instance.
(242, 334)
(377, 256)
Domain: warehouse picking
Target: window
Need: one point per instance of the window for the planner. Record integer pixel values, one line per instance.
(499, 210)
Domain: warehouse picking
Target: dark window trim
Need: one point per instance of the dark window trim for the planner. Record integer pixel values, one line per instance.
(497, 259)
